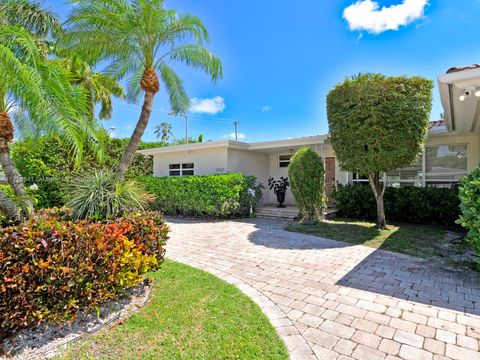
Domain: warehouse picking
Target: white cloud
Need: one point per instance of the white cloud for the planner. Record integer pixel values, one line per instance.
(208, 106)
(367, 15)
(266, 108)
(240, 136)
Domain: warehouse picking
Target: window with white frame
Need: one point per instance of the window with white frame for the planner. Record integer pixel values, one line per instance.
(439, 165)
(187, 169)
(284, 161)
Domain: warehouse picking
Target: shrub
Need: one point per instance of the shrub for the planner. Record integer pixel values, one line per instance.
(307, 177)
(219, 196)
(415, 205)
(470, 208)
(53, 267)
(99, 196)
(46, 162)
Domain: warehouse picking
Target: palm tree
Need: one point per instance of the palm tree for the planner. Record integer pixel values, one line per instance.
(100, 88)
(164, 130)
(140, 38)
(38, 88)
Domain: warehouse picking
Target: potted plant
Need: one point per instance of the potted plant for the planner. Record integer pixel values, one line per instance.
(279, 188)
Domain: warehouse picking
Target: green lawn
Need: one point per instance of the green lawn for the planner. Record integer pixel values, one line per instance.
(192, 315)
(416, 240)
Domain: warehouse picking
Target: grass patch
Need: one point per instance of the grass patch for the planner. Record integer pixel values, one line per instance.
(192, 315)
(417, 240)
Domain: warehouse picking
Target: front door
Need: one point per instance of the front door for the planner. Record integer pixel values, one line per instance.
(329, 178)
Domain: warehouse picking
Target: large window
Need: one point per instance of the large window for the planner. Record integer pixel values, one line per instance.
(445, 164)
(181, 169)
(440, 165)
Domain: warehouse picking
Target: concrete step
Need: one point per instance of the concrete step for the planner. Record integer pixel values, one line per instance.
(276, 213)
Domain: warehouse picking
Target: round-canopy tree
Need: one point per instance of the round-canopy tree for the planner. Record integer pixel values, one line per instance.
(378, 124)
(307, 178)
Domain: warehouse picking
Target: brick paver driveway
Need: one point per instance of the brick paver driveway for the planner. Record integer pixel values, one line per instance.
(332, 300)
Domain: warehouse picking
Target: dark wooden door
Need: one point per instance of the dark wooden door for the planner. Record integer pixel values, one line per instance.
(329, 178)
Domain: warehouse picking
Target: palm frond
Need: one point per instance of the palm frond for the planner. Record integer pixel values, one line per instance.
(179, 100)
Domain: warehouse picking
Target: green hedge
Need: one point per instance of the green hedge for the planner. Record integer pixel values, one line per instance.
(47, 163)
(220, 196)
(470, 208)
(415, 205)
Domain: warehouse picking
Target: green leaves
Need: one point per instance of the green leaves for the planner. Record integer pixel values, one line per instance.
(307, 177)
(379, 123)
(219, 196)
(138, 35)
(470, 208)
(53, 267)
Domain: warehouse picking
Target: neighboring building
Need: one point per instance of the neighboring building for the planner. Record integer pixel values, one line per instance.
(452, 149)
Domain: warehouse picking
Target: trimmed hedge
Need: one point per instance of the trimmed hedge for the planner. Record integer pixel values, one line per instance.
(470, 208)
(219, 196)
(415, 205)
(53, 267)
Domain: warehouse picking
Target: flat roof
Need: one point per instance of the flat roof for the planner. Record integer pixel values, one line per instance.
(239, 145)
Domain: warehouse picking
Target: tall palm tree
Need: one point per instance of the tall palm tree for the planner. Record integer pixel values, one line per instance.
(140, 38)
(39, 88)
(163, 130)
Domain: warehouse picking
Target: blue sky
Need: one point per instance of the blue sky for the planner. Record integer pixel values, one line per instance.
(281, 58)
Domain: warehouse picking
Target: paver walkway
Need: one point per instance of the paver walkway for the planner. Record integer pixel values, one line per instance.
(336, 301)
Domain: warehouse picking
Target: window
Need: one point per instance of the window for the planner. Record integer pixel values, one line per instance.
(284, 161)
(441, 165)
(181, 169)
(445, 164)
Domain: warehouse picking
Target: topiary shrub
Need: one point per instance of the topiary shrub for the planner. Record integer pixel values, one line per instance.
(52, 267)
(219, 196)
(409, 204)
(470, 209)
(307, 179)
(379, 123)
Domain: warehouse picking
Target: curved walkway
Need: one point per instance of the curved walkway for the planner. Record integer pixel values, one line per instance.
(337, 301)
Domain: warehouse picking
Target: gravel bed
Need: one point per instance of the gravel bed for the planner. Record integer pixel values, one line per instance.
(47, 341)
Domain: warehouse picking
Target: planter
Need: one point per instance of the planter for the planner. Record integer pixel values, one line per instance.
(280, 199)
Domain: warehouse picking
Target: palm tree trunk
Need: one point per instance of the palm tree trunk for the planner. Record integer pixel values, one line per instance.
(14, 178)
(150, 84)
(129, 154)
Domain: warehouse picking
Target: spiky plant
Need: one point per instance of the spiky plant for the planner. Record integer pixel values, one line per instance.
(140, 38)
(99, 196)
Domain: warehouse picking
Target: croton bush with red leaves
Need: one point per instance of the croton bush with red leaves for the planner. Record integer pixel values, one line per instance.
(53, 266)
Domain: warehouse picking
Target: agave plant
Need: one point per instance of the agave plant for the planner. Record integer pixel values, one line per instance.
(100, 196)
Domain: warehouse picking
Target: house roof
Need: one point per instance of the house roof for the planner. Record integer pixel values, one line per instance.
(437, 125)
(265, 146)
(460, 103)
(462, 68)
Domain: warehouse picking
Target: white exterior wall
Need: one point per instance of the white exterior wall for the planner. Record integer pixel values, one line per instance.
(250, 163)
(277, 172)
(207, 161)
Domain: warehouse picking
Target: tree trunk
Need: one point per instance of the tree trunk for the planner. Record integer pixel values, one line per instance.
(10, 209)
(14, 178)
(132, 147)
(379, 191)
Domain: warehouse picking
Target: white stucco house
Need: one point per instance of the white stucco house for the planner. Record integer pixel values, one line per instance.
(452, 149)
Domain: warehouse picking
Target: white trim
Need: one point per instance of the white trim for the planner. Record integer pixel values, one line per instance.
(181, 169)
(231, 144)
